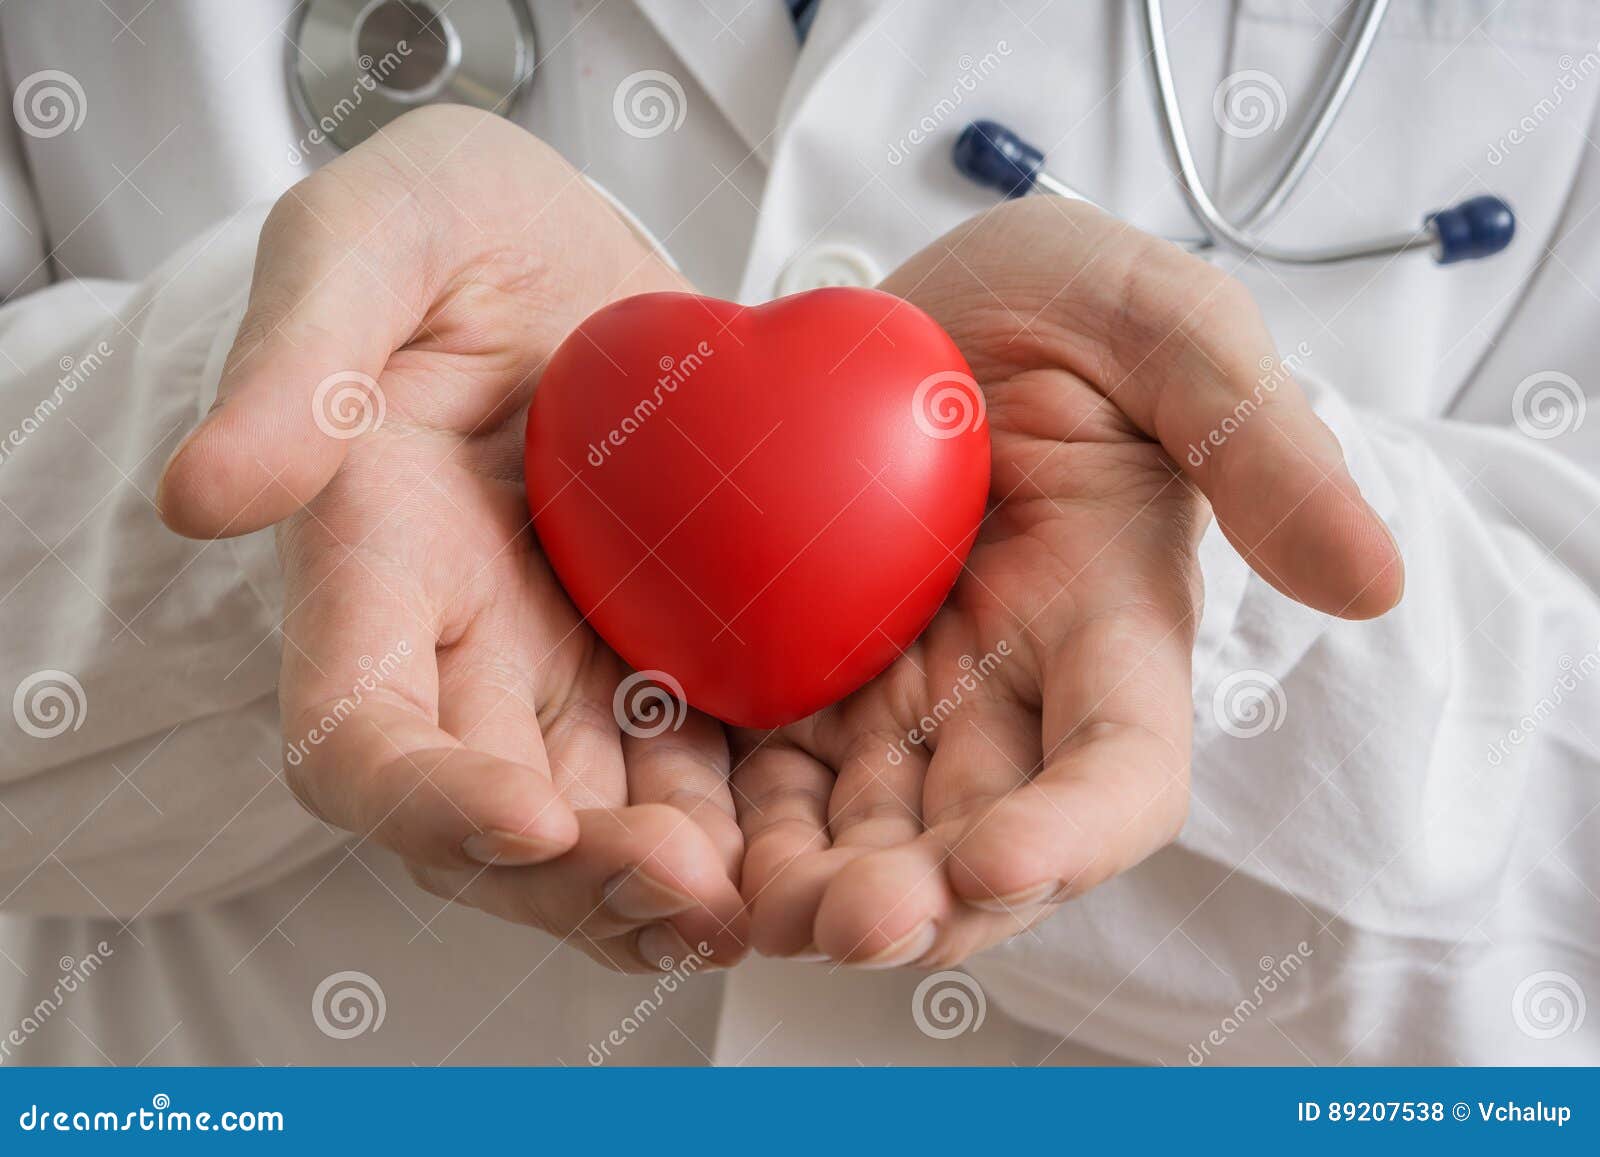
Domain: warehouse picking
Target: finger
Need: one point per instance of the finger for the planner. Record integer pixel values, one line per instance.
(386, 773)
(584, 746)
(781, 795)
(337, 287)
(686, 767)
(898, 907)
(633, 870)
(1194, 365)
(986, 748)
(895, 908)
(488, 704)
(877, 799)
(1114, 783)
(1227, 409)
(361, 750)
(875, 802)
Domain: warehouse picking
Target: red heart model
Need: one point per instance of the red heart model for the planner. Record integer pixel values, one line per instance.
(758, 507)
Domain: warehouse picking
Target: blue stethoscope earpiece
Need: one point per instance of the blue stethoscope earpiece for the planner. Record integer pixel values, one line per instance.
(1478, 227)
(992, 155)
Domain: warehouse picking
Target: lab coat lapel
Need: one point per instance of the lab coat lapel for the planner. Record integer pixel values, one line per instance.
(741, 52)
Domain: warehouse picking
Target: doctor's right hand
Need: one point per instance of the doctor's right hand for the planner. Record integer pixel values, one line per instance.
(439, 693)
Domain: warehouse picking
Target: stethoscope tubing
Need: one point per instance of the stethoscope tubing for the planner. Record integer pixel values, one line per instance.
(1241, 238)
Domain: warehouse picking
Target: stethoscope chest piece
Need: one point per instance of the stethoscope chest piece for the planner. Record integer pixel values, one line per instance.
(356, 65)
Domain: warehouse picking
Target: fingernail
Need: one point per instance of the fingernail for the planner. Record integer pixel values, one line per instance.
(807, 955)
(509, 849)
(632, 895)
(661, 947)
(1027, 898)
(914, 945)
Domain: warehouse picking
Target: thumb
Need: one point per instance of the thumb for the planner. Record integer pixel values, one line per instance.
(327, 307)
(1226, 408)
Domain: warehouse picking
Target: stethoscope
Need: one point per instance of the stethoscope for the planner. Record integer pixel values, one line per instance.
(356, 65)
(1481, 226)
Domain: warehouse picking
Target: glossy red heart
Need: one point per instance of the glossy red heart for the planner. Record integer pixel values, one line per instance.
(759, 506)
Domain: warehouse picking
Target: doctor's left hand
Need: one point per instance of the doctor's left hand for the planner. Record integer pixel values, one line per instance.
(439, 693)
(1035, 740)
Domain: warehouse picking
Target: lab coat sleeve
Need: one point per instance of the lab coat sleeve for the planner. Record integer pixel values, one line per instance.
(1456, 732)
(138, 721)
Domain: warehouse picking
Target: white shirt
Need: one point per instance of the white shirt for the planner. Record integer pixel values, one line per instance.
(1399, 867)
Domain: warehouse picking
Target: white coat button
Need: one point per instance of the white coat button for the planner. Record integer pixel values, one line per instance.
(832, 263)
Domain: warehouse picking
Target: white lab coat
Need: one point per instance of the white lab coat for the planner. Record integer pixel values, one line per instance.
(1393, 860)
